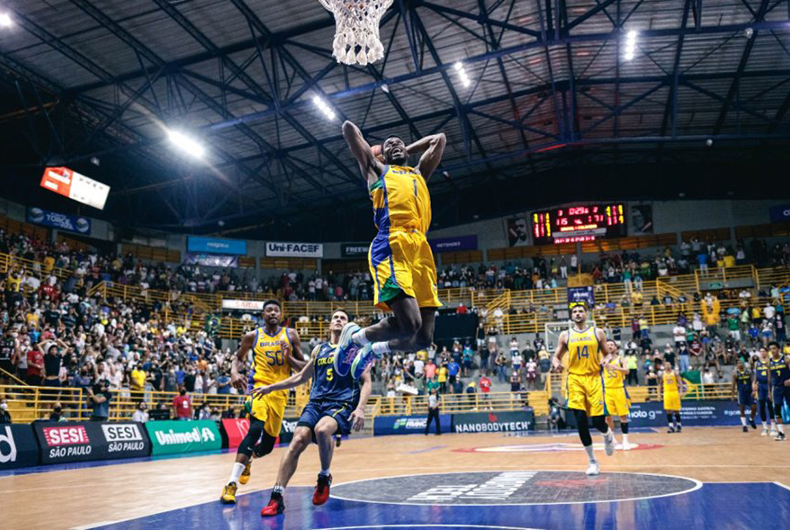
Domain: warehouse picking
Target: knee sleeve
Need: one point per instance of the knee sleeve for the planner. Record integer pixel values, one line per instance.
(265, 446)
(249, 441)
(599, 422)
(624, 427)
(584, 429)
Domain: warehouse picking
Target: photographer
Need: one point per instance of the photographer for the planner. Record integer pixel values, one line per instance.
(99, 397)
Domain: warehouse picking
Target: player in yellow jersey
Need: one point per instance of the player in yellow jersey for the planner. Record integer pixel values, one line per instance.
(400, 259)
(275, 351)
(616, 396)
(672, 390)
(585, 346)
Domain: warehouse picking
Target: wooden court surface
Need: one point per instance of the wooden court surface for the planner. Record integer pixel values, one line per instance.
(90, 496)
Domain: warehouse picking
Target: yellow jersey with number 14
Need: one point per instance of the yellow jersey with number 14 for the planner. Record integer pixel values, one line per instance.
(583, 349)
(268, 359)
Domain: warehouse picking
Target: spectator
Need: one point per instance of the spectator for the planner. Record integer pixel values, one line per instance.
(485, 388)
(57, 413)
(182, 406)
(501, 367)
(433, 412)
(441, 378)
(531, 374)
(141, 413)
(452, 371)
(99, 398)
(515, 382)
(5, 417)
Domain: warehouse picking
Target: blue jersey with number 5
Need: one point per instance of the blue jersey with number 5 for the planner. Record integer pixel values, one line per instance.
(327, 384)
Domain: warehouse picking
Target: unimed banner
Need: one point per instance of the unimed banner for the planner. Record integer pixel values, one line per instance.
(408, 424)
(18, 447)
(82, 441)
(696, 413)
(514, 421)
(171, 436)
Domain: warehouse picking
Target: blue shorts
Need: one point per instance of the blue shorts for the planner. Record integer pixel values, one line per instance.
(762, 393)
(781, 395)
(745, 397)
(315, 410)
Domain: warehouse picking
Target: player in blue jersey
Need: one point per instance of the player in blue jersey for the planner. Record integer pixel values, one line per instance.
(742, 382)
(760, 370)
(779, 381)
(337, 404)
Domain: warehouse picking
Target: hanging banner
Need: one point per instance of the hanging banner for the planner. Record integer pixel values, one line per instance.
(71, 184)
(577, 295)
(517, 232)
(780, 214)
(641, 219)
(294, 250)
(210, 245)
(243, 305)
(212, 260)
(453, 244)
(61, 221)
(354, 250)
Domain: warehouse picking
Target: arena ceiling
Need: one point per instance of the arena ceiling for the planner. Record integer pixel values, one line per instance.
(555, 111)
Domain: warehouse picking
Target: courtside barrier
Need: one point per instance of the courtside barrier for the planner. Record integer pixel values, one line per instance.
(413, 424)
(83, 441)
(18, 447)
(236, 429)
(514, 421)
(172, 436)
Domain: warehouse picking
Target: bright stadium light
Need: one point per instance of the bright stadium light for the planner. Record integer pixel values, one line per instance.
(186, 144)
(459, 68)
(325, 108)
(630, 45)
(5, 20)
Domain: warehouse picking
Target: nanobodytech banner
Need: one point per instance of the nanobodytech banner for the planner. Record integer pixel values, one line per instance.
(408, 424)
(18, 447)
(515, 421)
(171, 436)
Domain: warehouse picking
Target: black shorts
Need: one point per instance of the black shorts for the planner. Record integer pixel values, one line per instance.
(315, 410)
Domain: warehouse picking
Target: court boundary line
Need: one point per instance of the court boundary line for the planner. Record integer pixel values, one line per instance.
(697, 485)
(426, 525)
(782, 485)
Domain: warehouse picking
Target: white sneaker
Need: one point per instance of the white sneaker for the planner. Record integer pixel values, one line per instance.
(594, 469)
(773, 432)
(764, 433)
(608, 444)
(629, 446)
(619, 447)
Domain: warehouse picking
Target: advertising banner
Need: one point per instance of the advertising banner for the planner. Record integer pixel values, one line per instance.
(275, 249)
(453, 244)
(83, 441)
(71, 184)
(18, 447)
(354, 250)
(243, 305)
(693, 413)
(517, 232)
(577, 295)
(780, 214)
(61, 221)
(236, 429)
(172, 436)
(213, 245)
(414, 424)
(212, 260)
(514, 421)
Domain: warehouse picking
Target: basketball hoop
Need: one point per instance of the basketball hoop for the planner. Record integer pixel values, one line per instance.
(357, 27)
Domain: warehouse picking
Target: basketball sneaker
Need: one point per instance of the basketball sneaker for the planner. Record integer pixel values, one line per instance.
(773, 431)
(338, 440)
(670, 430)
(346, 350)
(780, 437)
(276, 506)
(680, 428)
(229, 494)
(745, 428)
(764, 433)
(364, 357)
(593, 469)
(608, 443)
(245, 475)
(321, 494)
(754, 425)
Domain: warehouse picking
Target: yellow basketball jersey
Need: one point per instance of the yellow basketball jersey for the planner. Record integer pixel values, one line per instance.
(614, 378)
(583, 349)
(401, 200)
(670, 382)
(268, 360)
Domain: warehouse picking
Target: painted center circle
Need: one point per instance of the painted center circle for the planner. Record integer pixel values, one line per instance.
(512, 487)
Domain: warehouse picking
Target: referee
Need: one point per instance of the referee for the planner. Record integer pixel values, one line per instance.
(433, 412)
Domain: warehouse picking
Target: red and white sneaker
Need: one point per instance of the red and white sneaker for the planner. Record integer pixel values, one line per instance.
(321, 494)
(276, 506)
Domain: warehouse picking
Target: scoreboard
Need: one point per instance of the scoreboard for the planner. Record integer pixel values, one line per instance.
(578, 223)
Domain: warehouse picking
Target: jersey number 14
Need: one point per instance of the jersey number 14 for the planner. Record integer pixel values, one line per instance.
(582, 353)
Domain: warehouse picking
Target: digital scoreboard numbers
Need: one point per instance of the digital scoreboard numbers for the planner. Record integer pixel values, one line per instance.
(576, 224)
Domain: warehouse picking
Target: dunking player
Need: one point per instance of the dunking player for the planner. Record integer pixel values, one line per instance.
(336, 405)
(763, 391)
(400, 258)
(275, 350)
(742, 381)
(616, 396)
(585, 345)
(779, 381)
(672, 390)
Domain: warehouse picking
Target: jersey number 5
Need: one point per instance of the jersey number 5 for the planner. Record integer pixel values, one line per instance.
(583, 353)
(275, 358)
(329, 374)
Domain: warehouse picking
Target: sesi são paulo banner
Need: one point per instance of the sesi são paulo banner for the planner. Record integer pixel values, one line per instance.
(169, 436)
(83, 441)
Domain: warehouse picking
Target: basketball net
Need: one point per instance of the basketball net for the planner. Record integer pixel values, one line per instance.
(357, 24)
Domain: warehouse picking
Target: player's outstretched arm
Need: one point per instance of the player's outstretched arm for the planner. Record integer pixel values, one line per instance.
(360, 148)
(295, 380)
(247, 342)
(433, 146)
(358, 416)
